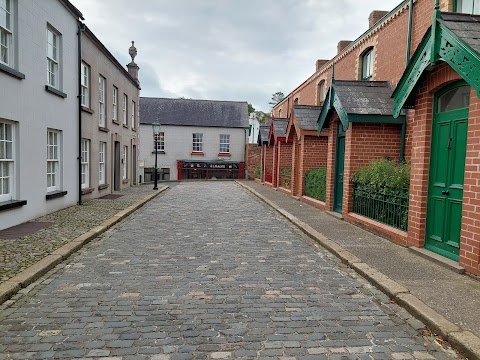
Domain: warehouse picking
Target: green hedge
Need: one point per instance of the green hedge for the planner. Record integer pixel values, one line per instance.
(316, 183)
(256, 172)
(285, 177)
(384, 175)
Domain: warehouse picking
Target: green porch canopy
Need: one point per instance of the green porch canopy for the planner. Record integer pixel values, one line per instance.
(453, 38)
(359, 101)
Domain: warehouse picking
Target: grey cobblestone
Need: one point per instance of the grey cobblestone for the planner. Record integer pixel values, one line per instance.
(206, 271)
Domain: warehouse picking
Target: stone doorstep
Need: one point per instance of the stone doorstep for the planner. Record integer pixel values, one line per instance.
(465, 342)
(37, 270)
(438, 259)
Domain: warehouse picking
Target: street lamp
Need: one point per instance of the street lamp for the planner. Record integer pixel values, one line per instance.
(156, 134)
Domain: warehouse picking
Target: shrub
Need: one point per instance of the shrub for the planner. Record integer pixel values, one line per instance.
(285, 177)
(316, 183)
(384, 176)
(256, 172)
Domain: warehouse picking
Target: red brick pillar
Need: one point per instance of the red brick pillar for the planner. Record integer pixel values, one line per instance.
(348, 170)
(331, 164)
(295, 163)
(179, 169)
(301, 166)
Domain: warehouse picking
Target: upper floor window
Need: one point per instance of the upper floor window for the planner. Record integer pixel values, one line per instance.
(197, 142)
(321, 92)
(295, 102)
(101, 101)
(224, 143)
(468, 6)
(53, 58)
(114, 104)
(367, 65)
(6, 33)
(124, 113)
(85, 81)
(280, 113)
(6, 161)
(159, 142)
(132, 121)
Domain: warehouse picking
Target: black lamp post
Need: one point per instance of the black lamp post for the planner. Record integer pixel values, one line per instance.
(156, 134)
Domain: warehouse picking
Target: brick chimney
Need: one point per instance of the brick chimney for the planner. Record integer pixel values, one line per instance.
(342, 44)
(320, 63)
(133, 67)
(375, 15)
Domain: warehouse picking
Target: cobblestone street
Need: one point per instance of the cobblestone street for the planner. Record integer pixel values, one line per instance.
(207, 271)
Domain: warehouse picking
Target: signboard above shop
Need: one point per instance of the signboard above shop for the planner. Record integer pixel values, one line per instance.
(210, 165)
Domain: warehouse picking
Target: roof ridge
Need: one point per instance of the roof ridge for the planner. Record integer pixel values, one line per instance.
(179, 99)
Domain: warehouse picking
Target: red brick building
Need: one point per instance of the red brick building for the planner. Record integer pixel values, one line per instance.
(432, 120)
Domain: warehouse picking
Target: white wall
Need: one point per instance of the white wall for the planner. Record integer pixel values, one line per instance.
(253, 121)
(178, 145)
(33, 110)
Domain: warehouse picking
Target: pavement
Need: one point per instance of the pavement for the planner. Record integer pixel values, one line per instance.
(208, 271)
(447, 301)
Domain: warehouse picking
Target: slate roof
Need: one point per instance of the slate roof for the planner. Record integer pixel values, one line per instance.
(280, 127)
(264, 132)
(306, 116)
(365, 97)
(465, 26)
(187, 112)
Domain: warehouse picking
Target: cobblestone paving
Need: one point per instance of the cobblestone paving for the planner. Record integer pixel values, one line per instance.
(16, 255)
(207, 271)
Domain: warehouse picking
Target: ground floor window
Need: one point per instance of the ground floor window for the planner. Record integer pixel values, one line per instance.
(85, 163)
(101, 163)
(208, 170)
(53, 160)
(6, 161)
(124, 163)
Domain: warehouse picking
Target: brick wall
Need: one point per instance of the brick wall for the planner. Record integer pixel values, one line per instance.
(254, 158)
(268, 156)
(284, 157)
(313, 157)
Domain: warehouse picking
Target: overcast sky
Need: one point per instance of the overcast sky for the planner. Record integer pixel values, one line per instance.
(240, 50)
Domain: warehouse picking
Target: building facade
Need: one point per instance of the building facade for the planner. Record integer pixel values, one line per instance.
(405, 90)
(38, 108)
(199, 139)
(110, 132)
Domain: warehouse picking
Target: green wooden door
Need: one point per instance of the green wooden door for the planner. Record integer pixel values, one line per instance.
(339, 166)
(447, 168)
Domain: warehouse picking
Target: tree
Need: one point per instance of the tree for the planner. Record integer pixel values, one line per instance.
(251, 109)
(262, 117)
(276, 98)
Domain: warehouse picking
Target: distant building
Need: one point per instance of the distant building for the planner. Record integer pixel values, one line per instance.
(253, 128)
(199, 139)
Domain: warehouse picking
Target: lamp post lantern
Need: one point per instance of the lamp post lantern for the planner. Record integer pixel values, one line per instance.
(156, 134)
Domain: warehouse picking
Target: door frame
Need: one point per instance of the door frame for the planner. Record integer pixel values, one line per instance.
(460, 113)
(340, 133)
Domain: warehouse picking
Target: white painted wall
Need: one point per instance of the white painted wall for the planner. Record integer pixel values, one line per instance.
(33, 110)
(255, 124)
(178, 145)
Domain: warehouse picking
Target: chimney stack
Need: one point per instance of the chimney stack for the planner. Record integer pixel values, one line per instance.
(375, 15)
(342, 44)
(320, 63)
(133, 67)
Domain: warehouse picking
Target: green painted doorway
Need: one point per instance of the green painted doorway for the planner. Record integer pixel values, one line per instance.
(339, 169)
(447, 169)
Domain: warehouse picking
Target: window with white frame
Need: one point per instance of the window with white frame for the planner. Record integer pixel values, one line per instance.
(101, 101)
(224, 143)
(124, 117)
(53, 160)
(85, 163)
(6, 32)
(115, 102)
(159, 142)
(85, 82)
(132, 121)
(53, 58)
(468, 7)
(101, 162)
(198, 142)
(367, 65)
(321, 92)
(6, 161)
(124, 161)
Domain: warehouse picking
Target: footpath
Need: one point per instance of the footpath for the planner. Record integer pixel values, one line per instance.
(26, 255)
(446, 301)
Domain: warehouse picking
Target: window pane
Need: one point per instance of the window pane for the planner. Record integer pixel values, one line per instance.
(457, 98)
(6, 186)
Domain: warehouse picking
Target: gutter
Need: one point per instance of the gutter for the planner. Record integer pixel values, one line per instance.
(81, 28)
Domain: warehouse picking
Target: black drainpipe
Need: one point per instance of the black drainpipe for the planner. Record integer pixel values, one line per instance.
(81, 28)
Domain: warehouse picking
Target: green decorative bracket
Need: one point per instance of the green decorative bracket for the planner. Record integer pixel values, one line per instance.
(327, 106)
(342, 114)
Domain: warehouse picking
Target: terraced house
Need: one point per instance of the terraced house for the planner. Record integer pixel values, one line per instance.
(68, 112)
(405, 90)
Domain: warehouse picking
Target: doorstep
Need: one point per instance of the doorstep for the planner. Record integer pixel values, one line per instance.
(441, 260)
(335, 214)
